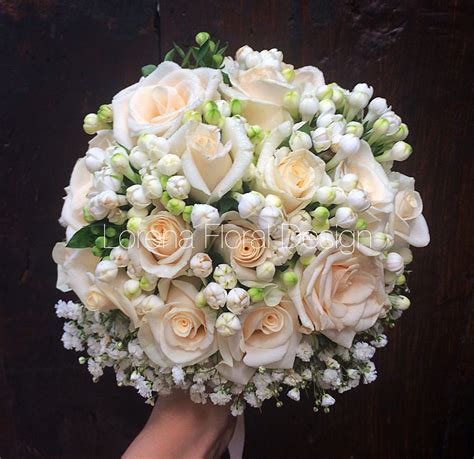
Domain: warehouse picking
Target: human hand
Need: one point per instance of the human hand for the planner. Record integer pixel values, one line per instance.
(180, 428)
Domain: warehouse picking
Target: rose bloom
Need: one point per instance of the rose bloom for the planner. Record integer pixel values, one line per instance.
(76, 268)
(157, 103)
(213, 167)
(371, 178)
(263, 87)
(165, 244)
(178, 332)
(339, 294)
(269, 338)
(407, 221)
(294, 176)
(243, 246)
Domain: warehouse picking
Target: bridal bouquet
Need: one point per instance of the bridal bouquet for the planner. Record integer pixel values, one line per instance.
(235, 230)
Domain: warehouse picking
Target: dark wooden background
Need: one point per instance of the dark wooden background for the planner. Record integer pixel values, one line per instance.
(60, 59)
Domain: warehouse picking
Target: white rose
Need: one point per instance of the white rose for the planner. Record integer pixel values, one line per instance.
(204, 152)
(294, 177)
(165, 244)
(157, 103)
(339, 294)
(408, 223)
(76, 198)
(371, 177)
(178, 332)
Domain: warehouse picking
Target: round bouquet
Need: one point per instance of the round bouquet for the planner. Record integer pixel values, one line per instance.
(235, 230)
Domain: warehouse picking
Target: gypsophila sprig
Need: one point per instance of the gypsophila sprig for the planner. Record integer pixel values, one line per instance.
(236, 230)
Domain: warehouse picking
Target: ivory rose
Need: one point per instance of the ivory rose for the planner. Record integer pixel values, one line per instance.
(293, 176)
(157, 103)
(165, 244)
(269, 338)
(371, 178)
(339, 294)
(213, 167)
(407, 221)
(243, 246)
(263, 87)
(178, 332)
(76, 269)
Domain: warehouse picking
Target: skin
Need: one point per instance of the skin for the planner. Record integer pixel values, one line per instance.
(180, 428)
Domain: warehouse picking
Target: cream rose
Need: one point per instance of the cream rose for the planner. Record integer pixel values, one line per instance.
(269, 338)
(263, 87)
(371, 178)
(165, 244)
(294, 176)
(243, 246)
(157, 103)
(339, 294)
(406, 220)
(213, 167)
(76, 269)
(178, 332)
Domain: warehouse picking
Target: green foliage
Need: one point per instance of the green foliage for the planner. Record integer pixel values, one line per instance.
(147, 69)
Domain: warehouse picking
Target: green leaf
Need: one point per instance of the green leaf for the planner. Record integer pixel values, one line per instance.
(82, 238)
(226, 78)
(169, 55)
(179, 50)
(203, 50)
(147, 69)
(226, 204)
(186, 58)
(305, 128)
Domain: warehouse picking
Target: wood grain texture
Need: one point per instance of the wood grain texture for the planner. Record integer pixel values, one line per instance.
(61, 59)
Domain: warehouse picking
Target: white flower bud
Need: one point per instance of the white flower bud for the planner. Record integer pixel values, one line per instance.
(348, 145)
(138, 158)
(345, 217)
(321, 139)
(131, 288)
(340, 197)
(327, 400)
(225, 276)
(326, 119)
(156, 147)
(301, 220)
(327, 106)
(394, 262)
(364, 88)
(108, 199)
(294, 394)
(250, 204)
(406, 254)
(204, 214)
(270, 217)
(178, 187)
(92, 124)
(215, 295)
(325, 240)
(394, 122)
(323, 92)
(106, 179)
(228, 324)
(152, 186)
(223, 107)
(325, 195)
(249, 174)
(309, 106)
(358, 100)
(201, 265)
(265, 271)
(94, 159)
(376, 108)
(106, 271)
(380, 241)
(148, 282)
(252, 58)
(300, 140)
(401, 151)
(400, 302)
(119, 256)
(273, 201)
(348, 182)
(169, 165)
(237, 300)
(358, 200)
(306, 244)
(355, 128)
(136, 197)
(242, 53)
(149, 304)
(135, 212)
(97, 211)
(291, 102)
